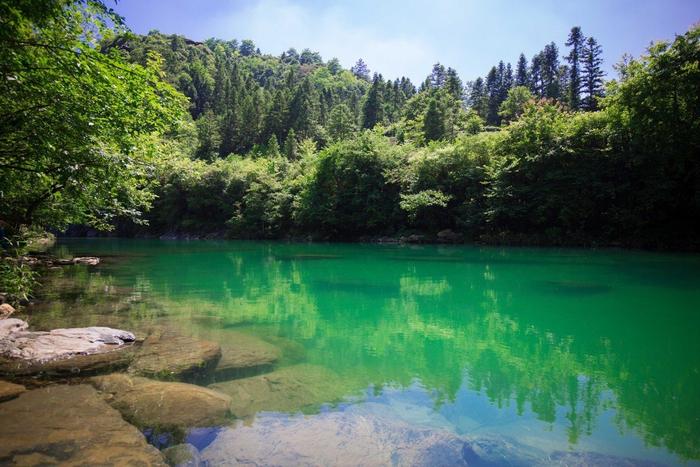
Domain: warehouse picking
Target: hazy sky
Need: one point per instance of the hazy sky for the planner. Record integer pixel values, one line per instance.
(406, 37)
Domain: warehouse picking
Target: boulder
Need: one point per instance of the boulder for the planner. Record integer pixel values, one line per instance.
(242, 354)
(10, 390)
(69, 425)
(6, 310)
(72, 367)
(414, 238)
(40, 347)
(163, 405)
(295, 388)
(449, 236)
(167, 356)
(182, 455)
(88, 260)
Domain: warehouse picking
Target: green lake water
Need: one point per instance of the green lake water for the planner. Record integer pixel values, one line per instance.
(558, 349)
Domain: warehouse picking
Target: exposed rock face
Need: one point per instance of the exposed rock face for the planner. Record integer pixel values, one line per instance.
(169, 356)
(69, 425)
(298, 387)
(40, 347)
(6, 310)
(243, 354)
(149, 403)
(10, 391)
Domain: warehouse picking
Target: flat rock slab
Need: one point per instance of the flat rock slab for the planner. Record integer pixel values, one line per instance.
(295, 388)
(69, 425)
(242, 354)
(337, 438)
(164, 405)
(167, 356)
(10, 390)
(40, 347)
(362, 436)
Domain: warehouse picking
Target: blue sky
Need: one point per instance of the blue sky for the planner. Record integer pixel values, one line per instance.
(406, 37)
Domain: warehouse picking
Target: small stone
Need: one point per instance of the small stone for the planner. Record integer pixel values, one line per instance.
(163, 405)
(6, 310)
(10, 390)
(182, 455)
(88, 260)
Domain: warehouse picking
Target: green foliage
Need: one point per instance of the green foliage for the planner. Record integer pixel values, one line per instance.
(348, 193)
(75, 139)
(514, 105)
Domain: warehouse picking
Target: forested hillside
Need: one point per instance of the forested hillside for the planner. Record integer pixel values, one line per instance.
(159, 134)
(291, 146)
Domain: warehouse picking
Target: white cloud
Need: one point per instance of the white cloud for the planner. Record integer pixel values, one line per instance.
(276, 25)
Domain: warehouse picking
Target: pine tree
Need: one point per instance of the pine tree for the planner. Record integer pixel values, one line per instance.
(272, 147)
(507, 82)
(478, 99)
(373, 110)
(303, 110)
(577, 42)
(454, 85)
(536, 85)
(433, 122)
(290, 145)
(493, 92)
(550, 71)
(437, 76)
(360, 70)
(341, 123)
(592, 76)
(521, 76)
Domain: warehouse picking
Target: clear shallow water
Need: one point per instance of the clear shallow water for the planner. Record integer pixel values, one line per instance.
(557, 349)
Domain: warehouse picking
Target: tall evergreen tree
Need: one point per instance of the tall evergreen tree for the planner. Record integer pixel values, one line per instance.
(550, 71)
(592, 82)
(576, 42)
(454, 85)
(521, 76)
(437, 77)
(536, 84)
(478, 98)
(493, 92)
(373, 110)
(303, 110)
(360, 70)
(433, 122)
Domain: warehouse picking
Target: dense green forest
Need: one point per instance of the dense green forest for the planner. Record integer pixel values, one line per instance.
(158, 134)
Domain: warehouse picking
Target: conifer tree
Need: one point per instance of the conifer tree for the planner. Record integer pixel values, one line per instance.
(576, 42)
(478, 99)
(272, 147)
(521, 76)
(433, 122)
(592, 80)
(454, 85)
(360, 70)
(290, 145)
(493, 92)
(373, 110)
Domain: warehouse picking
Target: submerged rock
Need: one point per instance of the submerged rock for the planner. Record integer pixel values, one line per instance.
(449, 236)
(157, 404)
(69, 425)
(169, 356)
(10, 390)
(336, 438)
(182, 455)
(299, 387)
(242, 354)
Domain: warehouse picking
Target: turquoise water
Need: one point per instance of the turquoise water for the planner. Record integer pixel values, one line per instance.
(557, 349)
